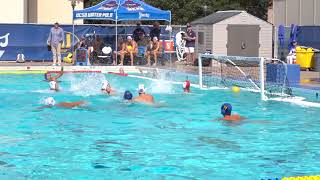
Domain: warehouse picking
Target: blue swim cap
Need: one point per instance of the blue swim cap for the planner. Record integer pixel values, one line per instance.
(127, 95)
(226, 109)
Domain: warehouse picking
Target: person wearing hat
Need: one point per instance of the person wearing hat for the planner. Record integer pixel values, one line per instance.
(127, 96)
(50, 102)
(106, 88)
(143, 96)
(186, 86)
(153, 50)
(226, 110)
(292, 56)
(190, 38)
(131, 50)
(55, 40)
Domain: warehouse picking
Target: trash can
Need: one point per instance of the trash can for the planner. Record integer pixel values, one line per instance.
(316, 58)
(305, 57)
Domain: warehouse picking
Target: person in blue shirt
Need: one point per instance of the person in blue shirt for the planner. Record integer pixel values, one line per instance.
(55, 40)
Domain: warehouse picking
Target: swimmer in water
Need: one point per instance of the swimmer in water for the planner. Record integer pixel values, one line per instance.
(127, 96)
(121, 71)
(186, 86)
(50, 102)
(53, 83)
(48, 76)
(143, 97)
(226, 109)
(106, 88)
(54, 86)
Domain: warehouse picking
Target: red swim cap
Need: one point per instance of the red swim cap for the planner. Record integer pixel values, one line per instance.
(186, 84)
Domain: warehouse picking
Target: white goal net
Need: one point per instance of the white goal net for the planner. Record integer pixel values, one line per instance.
(266, 76)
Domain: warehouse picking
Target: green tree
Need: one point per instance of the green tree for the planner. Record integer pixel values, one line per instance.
(184, 11)
(257, 8)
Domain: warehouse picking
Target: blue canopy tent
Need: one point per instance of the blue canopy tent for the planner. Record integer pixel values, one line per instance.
(122, 10)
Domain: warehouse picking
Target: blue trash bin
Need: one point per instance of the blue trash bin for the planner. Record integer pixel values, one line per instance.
(276, 73)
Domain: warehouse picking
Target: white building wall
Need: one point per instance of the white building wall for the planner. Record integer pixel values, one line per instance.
(220, 34)
(300, 12)
(51, 11)
(13, 11)
(206, 29)
(38, 11)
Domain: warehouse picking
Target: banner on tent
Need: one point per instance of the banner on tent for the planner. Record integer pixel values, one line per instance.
(94, 15)
(31, 39)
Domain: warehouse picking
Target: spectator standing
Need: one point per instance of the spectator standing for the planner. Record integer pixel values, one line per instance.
(155, 31)
(138, 33)
(55, 40)
(190, 44)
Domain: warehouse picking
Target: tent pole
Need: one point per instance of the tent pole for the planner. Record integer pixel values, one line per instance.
(116, 38)
(72, 45)
(170, 56)
(116, 48)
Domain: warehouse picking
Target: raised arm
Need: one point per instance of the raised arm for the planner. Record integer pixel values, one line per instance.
(60, 74)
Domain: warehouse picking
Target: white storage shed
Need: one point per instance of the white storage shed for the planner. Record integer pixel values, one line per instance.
(234, 33)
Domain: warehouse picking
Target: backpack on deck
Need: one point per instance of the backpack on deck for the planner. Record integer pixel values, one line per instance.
(20, 58)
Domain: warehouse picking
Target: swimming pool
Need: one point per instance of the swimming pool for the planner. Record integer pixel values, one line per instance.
(182, 139)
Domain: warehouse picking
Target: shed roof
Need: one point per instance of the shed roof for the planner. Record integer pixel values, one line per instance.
(216, 17)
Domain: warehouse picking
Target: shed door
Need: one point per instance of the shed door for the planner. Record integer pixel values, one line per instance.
(243, 40)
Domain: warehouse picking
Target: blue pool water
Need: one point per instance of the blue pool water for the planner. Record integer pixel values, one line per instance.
(182, 139)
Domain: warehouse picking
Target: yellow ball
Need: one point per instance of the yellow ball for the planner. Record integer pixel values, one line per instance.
(235, 89)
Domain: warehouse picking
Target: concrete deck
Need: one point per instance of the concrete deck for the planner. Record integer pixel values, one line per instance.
(30, 66)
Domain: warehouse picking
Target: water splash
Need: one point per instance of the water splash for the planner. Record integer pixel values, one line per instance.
(86, 84)
(161, 87)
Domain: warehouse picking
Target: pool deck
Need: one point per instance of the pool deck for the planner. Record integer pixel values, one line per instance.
(309, 79)
(33, 66)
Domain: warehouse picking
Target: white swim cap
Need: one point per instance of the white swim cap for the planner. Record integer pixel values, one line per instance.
(105, 85)
(50, 101)
(52, 84)
(155, 38)
(141, 88)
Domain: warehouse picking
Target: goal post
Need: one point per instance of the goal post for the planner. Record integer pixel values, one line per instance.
(265, 76)
(262, 80)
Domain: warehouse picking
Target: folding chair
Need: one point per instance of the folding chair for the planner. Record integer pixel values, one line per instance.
(140, 55)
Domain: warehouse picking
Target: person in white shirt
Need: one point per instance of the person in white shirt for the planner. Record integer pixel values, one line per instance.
(291, 58)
